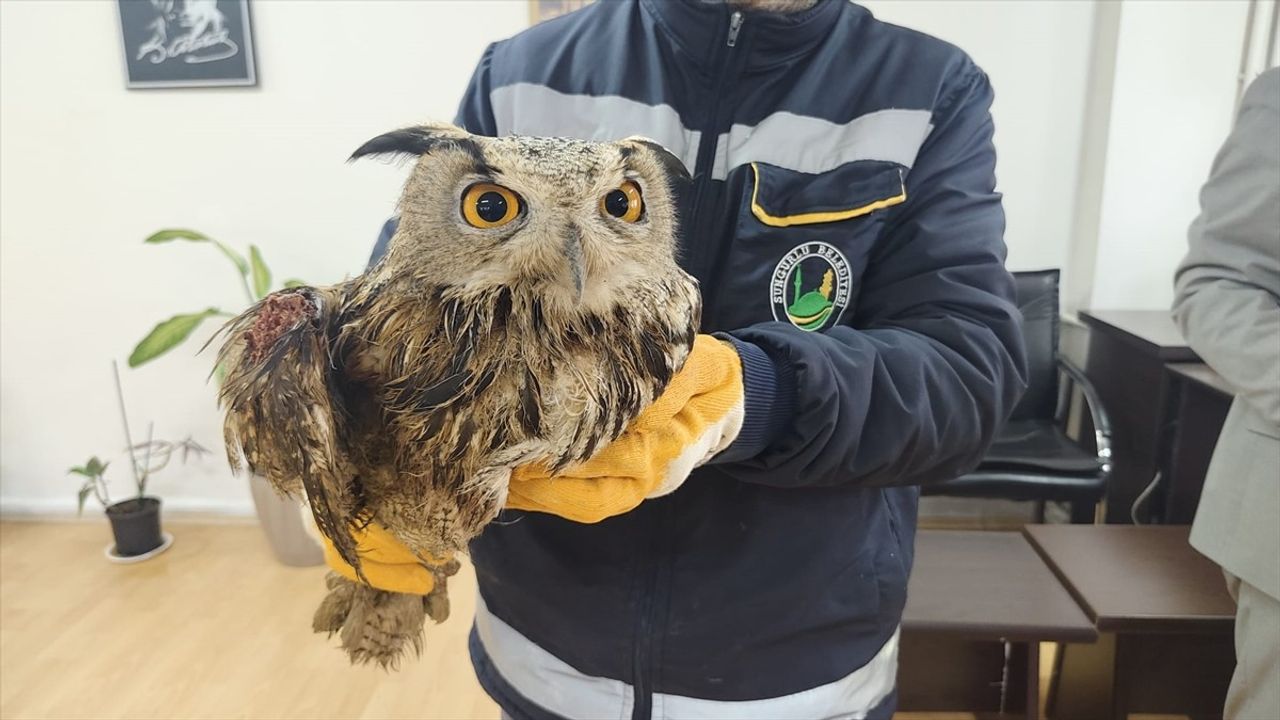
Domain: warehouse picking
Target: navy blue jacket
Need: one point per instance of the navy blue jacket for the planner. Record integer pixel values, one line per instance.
(845, 229)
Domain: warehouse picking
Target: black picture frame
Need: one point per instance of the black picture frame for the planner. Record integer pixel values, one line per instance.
(187, 43)
(542, 10)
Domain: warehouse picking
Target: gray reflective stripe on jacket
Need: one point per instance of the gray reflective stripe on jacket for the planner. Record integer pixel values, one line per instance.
(558, 688)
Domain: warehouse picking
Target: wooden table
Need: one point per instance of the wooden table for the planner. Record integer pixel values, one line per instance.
(1128, 350)
(978, 606)
(1198, 403)
(1165, 616)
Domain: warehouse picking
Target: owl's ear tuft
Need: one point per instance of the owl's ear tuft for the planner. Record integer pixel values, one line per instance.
(676, 170)
(412, 141)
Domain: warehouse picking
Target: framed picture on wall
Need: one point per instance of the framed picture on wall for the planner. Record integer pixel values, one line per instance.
(186, 43)
(540, 10)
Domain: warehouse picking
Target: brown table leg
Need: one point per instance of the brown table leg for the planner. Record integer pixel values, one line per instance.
(1081, 683)
(1125, 674)
(1159, 674)
(1173, 674)
(1033, 681)
(944, 674)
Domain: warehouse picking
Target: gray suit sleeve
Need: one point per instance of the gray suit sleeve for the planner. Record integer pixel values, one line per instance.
(1228, 286)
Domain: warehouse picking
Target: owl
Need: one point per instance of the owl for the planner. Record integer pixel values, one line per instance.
(528, 307)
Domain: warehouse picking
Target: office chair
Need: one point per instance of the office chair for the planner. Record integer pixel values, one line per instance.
(1033, 458)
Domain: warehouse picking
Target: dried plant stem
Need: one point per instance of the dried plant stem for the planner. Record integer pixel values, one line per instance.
(124, 419)
(100, 491)
(146, 462)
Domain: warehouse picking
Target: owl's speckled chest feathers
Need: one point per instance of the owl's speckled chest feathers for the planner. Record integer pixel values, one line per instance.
(448, 391)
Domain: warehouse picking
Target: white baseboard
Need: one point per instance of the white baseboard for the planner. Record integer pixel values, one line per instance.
(60, 507)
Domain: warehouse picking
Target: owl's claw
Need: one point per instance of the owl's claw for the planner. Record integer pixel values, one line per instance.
(335, 607)
(436, 606)
(375, 625)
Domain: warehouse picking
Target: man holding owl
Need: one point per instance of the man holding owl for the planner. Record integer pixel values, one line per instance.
(842, 222)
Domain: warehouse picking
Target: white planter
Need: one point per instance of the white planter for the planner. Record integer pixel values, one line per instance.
(281, 521)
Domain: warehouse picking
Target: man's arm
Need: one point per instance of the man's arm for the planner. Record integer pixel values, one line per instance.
(915, 392)
(1227, 286)
(384, 238)
(475, 113)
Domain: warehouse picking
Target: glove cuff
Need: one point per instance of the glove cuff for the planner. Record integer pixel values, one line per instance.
(386, 563)
(769, 397)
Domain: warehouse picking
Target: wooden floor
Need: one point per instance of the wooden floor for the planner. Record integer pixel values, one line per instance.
(213, 628)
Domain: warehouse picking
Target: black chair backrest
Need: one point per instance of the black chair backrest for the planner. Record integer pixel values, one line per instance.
(1038, 302)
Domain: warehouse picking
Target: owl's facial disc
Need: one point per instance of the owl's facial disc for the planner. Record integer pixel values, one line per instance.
(577, 224)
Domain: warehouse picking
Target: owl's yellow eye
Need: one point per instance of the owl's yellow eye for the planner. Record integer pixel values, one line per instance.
(623, 203)
(486, 206)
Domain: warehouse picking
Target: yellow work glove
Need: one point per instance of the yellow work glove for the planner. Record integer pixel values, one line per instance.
(697, 416)
(386, 563)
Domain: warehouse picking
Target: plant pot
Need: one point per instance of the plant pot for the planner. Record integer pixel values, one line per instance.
(135, 523)
(281, 520)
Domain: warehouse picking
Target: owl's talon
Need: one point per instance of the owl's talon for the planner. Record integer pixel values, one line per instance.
(375, 626)
(437, 606)
(335, 607)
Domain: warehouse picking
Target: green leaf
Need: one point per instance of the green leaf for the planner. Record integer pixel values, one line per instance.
(167, 335)
(80, 470)
(293, 283)
(81, 496)
(261, 274)
(95, 466)
(172, 234)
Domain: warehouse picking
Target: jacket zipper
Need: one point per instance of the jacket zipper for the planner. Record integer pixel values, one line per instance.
(642, 662)
(707, 150)
(735, 26)
(642, 703)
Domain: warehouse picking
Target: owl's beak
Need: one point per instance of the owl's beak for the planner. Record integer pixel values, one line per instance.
(573, 254)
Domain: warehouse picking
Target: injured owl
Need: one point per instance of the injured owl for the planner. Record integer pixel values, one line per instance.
(528, 307)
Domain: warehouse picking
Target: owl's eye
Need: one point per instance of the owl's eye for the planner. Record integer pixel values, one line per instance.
(623, 203)
(486, 206)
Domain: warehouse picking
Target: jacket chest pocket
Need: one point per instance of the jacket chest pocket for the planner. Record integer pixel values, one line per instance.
(802, 241)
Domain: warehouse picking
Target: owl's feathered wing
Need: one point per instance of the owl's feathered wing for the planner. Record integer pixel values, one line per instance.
(283, 403)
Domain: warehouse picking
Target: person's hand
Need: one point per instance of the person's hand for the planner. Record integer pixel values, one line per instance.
(698, 415)
(379, 613)
(388, 565)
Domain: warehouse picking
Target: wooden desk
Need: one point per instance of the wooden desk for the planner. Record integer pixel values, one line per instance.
(1128, 350)
(1203, 376)
(1198, 403)
(1166, 617)
(971, 593)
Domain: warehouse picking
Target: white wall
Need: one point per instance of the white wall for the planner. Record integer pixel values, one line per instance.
(1172, 106)
(90, 169)
(1036, 53)
(1110, 204)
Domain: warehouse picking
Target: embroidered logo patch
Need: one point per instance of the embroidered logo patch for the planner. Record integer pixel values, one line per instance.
(810, 286)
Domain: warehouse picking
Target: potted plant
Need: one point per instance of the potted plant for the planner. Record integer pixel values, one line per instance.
(279, 517)
(253, 275)
(135, 522)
